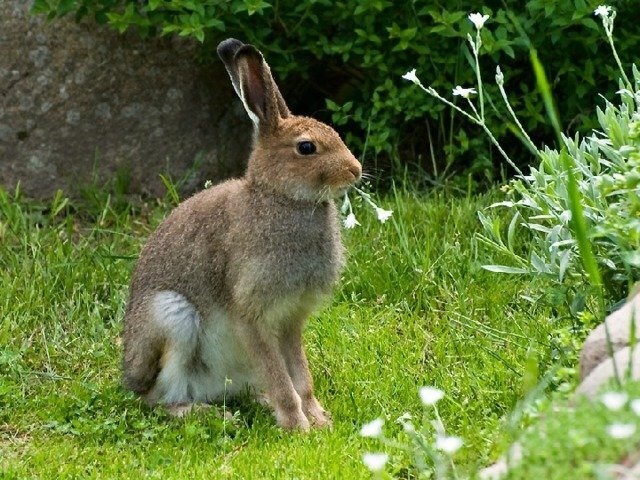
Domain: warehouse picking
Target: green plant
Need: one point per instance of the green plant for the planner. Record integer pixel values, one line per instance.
(347, 53)
(428, 443)
(596, 178)
(586, 196)
(590, 439)
(607, 167)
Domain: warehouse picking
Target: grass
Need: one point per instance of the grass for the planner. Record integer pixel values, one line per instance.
(414, 308)
(574, 437)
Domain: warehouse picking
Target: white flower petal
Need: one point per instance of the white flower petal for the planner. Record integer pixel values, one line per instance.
(478, 19)
(430, 395)
(635, 406)
(408, 427)
(351, 221)
(621, 431)
(405, 421)
(614, 400)
(463, 92)
(602, 11)
(372, 429)
(375, 461)
(411, 76)
(448, 445)
(383, 215)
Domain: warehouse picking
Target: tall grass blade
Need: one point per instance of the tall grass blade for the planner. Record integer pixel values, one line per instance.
(545, 91)
(578, 221)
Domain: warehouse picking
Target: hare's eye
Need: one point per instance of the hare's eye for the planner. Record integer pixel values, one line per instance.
(306, 148)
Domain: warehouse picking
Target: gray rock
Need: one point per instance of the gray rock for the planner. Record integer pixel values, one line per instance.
(595, 349)
(6, 133)
(604, 372)
(78, 100)
(512, 458)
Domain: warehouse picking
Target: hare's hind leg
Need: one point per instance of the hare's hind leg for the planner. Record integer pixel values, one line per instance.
(173, 315)
(143, 346)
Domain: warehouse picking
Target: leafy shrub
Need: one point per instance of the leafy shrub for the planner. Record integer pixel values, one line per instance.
(593, 182)
(607, 168)
(351, 53)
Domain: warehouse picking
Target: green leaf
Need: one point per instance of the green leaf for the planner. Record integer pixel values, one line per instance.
(64, 6)
(578, 222)
(511, 230)
(40, 7)
(545, 91)
(504, 269)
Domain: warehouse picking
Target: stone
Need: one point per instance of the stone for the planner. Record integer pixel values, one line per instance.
(595, 349)
(498, 470)
(604, 372)
(79, 101)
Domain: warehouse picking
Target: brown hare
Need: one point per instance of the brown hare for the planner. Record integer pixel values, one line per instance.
(222, 289)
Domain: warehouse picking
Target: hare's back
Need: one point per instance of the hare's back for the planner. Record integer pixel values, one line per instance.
(187, 252)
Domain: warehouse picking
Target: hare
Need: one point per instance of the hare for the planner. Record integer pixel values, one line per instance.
(221, 291)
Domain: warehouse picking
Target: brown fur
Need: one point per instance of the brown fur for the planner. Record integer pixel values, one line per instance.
(264, 249)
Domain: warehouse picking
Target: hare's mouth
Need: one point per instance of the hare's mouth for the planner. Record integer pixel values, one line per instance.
(337, 192)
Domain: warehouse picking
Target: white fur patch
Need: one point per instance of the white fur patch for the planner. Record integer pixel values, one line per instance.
(222, 368)
(254, 118)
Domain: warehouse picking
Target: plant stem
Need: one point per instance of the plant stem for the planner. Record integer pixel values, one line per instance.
(431, 91)
(478, 121)
(529, 142)
(609, 31)
(476, 49)
(495, 142)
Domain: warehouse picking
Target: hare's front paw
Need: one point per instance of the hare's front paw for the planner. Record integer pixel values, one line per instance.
(317, 415)
(292, 420)
(180, 410)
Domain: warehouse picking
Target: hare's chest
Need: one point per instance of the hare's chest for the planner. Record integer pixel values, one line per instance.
(286, 270)
(282, 273)
(287, 253)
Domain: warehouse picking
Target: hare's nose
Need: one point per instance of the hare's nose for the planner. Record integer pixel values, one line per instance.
(356, 170)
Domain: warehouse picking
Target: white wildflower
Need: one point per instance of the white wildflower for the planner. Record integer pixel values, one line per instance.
(430, 395)
(621, 431)
(463, 92)
(602, 11)
(375, 461)
(478, 19)
(408, 427)
(635, 406)
(372, 429)
(614, 400)
(411, 76)
(499, 76)
(383, 215)
(351, 221)
(405, 421)
(448, 445)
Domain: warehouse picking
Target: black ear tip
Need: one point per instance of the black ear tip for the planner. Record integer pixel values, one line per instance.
(248, 50)
(228, 48)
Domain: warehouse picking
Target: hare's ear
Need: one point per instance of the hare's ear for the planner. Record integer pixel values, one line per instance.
(227, 50)
(252, 81)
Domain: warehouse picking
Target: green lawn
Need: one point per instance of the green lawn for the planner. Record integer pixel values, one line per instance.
(414, 308)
